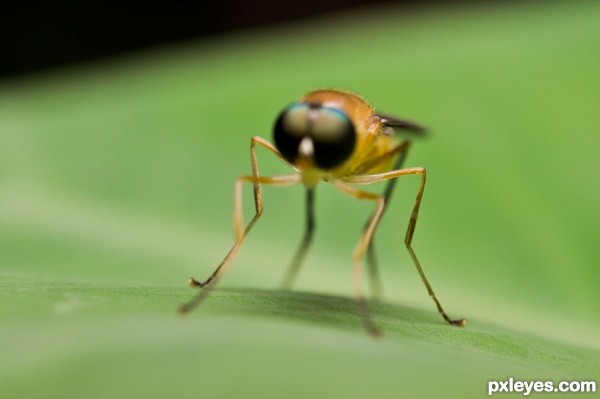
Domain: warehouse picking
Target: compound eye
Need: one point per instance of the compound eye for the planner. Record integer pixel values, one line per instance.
(290, 128)
(333, 137)
(330, 130)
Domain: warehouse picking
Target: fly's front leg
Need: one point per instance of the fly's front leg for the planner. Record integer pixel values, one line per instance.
(240, 232)
(258, 203)
(238, 217)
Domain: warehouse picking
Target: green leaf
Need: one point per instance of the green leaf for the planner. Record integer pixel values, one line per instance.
(116, 185)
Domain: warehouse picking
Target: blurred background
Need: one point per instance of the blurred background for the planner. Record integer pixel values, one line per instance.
(54, 35)
(123, 130)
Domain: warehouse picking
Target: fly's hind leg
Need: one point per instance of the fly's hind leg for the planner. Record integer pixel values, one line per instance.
(374, 178)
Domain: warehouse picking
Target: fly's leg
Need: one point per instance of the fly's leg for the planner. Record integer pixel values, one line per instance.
(401, 150)
(289, 277)
(374, 178)
(238, 219)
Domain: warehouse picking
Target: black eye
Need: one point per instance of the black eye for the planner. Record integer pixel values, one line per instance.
(333, 136)
(291, 126)
(331, 131)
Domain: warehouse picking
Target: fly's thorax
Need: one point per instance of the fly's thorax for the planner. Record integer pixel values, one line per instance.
(312, 176)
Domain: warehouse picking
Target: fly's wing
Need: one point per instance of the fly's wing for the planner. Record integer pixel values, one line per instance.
(402, 124)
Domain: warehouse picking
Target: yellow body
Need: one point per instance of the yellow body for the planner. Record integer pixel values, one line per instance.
(374, 140)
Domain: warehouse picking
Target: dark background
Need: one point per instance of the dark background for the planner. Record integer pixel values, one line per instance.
(38, 37)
